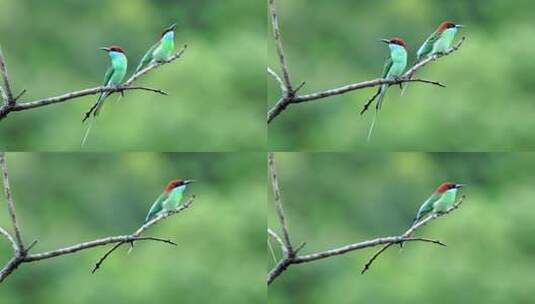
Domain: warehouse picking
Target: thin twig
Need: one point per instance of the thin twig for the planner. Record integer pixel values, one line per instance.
(278, 239)
(105, 256)
(277, 78)
(20, 95)
(10, 239)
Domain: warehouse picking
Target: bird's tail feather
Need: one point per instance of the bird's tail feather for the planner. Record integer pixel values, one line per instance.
(377, 108)
(100, 103)
(131, 247)
(94, 110)
(86, 133)
(381, 97)
(372, 126)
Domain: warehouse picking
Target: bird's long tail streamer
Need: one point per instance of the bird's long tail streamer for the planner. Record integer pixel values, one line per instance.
(271, 251)
(131, 248)
(87, 130)
(370, 131)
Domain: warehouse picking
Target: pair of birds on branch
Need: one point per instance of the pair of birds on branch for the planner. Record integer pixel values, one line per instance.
(161, 51)
(440, 42)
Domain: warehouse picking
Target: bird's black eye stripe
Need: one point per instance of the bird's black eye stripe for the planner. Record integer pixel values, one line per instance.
(451, 25)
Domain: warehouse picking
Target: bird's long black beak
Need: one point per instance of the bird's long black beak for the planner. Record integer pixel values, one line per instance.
(459, 26)
(189, 181)
(107, 49)
(387, 41)
(458, 186)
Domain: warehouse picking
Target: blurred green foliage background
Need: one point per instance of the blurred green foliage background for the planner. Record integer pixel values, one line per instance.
(63, 199)
(487, 105)
(51, 48)
(337, 199)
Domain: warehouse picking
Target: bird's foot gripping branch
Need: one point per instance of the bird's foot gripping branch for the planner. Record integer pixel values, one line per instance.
(289, 93)
(291, 256)
(21, 252)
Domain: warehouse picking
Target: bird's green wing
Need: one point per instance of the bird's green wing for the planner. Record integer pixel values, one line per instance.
(427, 46)
(427, 206)
(95, 109)
(107, 76)
(147, 57)
(157, 206)
(388, 65)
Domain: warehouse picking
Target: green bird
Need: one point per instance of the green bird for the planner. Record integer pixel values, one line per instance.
(393, 69)
(440, 201)
(113, 78)
(162, 50)
(170, 198)
(439, 42)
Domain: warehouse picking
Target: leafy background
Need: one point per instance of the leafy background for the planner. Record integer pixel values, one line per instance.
(487, 106)
(63, 199)
(340, 198)
(51, 48)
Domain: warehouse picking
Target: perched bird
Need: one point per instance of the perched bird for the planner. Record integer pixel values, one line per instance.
(113, 78)
(440, 201)
(393, 68)
(169, 199)
(162, 50)
(439, 42)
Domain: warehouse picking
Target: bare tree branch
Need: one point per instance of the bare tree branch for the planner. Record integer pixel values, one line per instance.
(8, 100)
(127, 85)
(278, 202)
(289, 96)
(9, 238)
(10, 205)
(21, 254)
(280, 50)
(291, 256)
(144, 227)
(278, 239)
